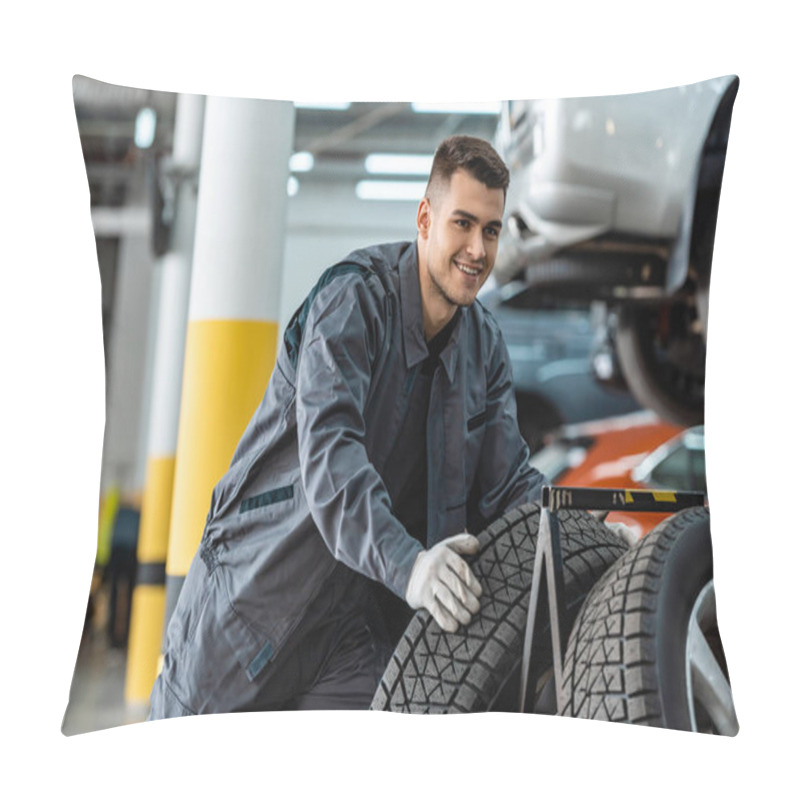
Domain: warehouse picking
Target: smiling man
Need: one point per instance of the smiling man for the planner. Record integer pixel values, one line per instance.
(387, 431)
(458, 224)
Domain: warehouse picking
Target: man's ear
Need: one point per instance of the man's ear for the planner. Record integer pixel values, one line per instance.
(424, 217)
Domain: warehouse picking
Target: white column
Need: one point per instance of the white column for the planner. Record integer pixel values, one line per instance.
(171, 300)
(234, 303)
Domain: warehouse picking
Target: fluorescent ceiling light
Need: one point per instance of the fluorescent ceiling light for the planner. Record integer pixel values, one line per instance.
(301, 162)
(390, 190)
(398, 164)
(323, 105)
(145, 129)
(456, 108)
(292, 185)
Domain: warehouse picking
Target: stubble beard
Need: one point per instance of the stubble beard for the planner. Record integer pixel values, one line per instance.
(443, 293)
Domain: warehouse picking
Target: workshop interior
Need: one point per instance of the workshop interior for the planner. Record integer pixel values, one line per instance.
(601, 290)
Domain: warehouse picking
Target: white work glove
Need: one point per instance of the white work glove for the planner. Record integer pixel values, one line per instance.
(442, 582)
(627, 534)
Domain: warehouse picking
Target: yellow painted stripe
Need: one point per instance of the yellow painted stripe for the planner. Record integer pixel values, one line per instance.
(667, 497)
(144, 642)
(628, 497)
(156, 510)
(226, 369)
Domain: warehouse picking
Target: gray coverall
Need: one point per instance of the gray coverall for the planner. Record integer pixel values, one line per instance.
(302, 523)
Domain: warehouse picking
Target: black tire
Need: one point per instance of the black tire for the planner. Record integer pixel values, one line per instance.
(629, 656)
(477, 668)
(536, 418)
(664, 371)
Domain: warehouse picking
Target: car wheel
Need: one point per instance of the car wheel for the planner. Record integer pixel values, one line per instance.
(535, 418)
(646, 648)
(662, 356)
(477, 668)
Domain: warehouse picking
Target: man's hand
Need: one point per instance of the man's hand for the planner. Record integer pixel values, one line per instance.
(442, 582)
(627, 534)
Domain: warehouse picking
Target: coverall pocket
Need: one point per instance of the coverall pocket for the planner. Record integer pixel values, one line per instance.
(252, 649)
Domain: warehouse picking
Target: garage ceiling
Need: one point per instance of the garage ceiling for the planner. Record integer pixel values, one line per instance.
(339, 139)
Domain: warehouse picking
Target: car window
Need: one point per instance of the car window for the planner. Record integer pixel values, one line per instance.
(683, 470)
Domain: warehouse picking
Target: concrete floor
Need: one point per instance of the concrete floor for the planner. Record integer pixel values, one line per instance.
(97, 693)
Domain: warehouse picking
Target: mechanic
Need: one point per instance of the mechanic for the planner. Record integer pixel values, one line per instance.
(387, 431)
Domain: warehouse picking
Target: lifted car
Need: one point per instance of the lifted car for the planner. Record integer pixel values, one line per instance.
(613, 202)
(552, 353)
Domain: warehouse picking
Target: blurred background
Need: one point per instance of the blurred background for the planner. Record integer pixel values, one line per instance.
(600, 290)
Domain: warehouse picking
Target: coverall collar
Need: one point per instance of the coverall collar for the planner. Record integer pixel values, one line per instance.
(416, 349)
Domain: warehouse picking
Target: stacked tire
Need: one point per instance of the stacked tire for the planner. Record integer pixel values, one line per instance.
(477, 667)
(644, 646)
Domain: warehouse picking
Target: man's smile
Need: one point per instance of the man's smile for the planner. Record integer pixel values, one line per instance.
(468, 269)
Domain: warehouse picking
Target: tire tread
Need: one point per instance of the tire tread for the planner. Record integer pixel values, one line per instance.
(619, 616)
(465, 670)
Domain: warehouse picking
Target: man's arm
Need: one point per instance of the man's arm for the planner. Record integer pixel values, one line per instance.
(347, 497)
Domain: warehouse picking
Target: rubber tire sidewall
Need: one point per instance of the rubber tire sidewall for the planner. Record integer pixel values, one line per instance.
(640, 370)
(687, 570)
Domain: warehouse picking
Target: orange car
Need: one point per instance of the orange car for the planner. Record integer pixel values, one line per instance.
(635, 451)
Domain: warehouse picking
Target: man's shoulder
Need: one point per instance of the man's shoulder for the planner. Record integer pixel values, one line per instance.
(483, 334)
(377, 258)
(368, 265)
(357, 283)
(375, 266)
(484, 320)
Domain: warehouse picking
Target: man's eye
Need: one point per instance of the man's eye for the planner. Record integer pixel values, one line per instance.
(493, 232)
(463, 223)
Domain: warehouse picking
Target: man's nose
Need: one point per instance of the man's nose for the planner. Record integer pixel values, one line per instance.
(475, 245)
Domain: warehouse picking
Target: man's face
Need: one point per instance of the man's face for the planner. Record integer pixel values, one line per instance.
(458, 233)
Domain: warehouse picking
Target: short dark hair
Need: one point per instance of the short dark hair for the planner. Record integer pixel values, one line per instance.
(475, 156)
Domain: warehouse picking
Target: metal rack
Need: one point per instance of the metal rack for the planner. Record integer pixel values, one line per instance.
(547, 583)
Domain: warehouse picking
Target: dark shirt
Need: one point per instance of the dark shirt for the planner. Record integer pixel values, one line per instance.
(410, 498)
(407, 476)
